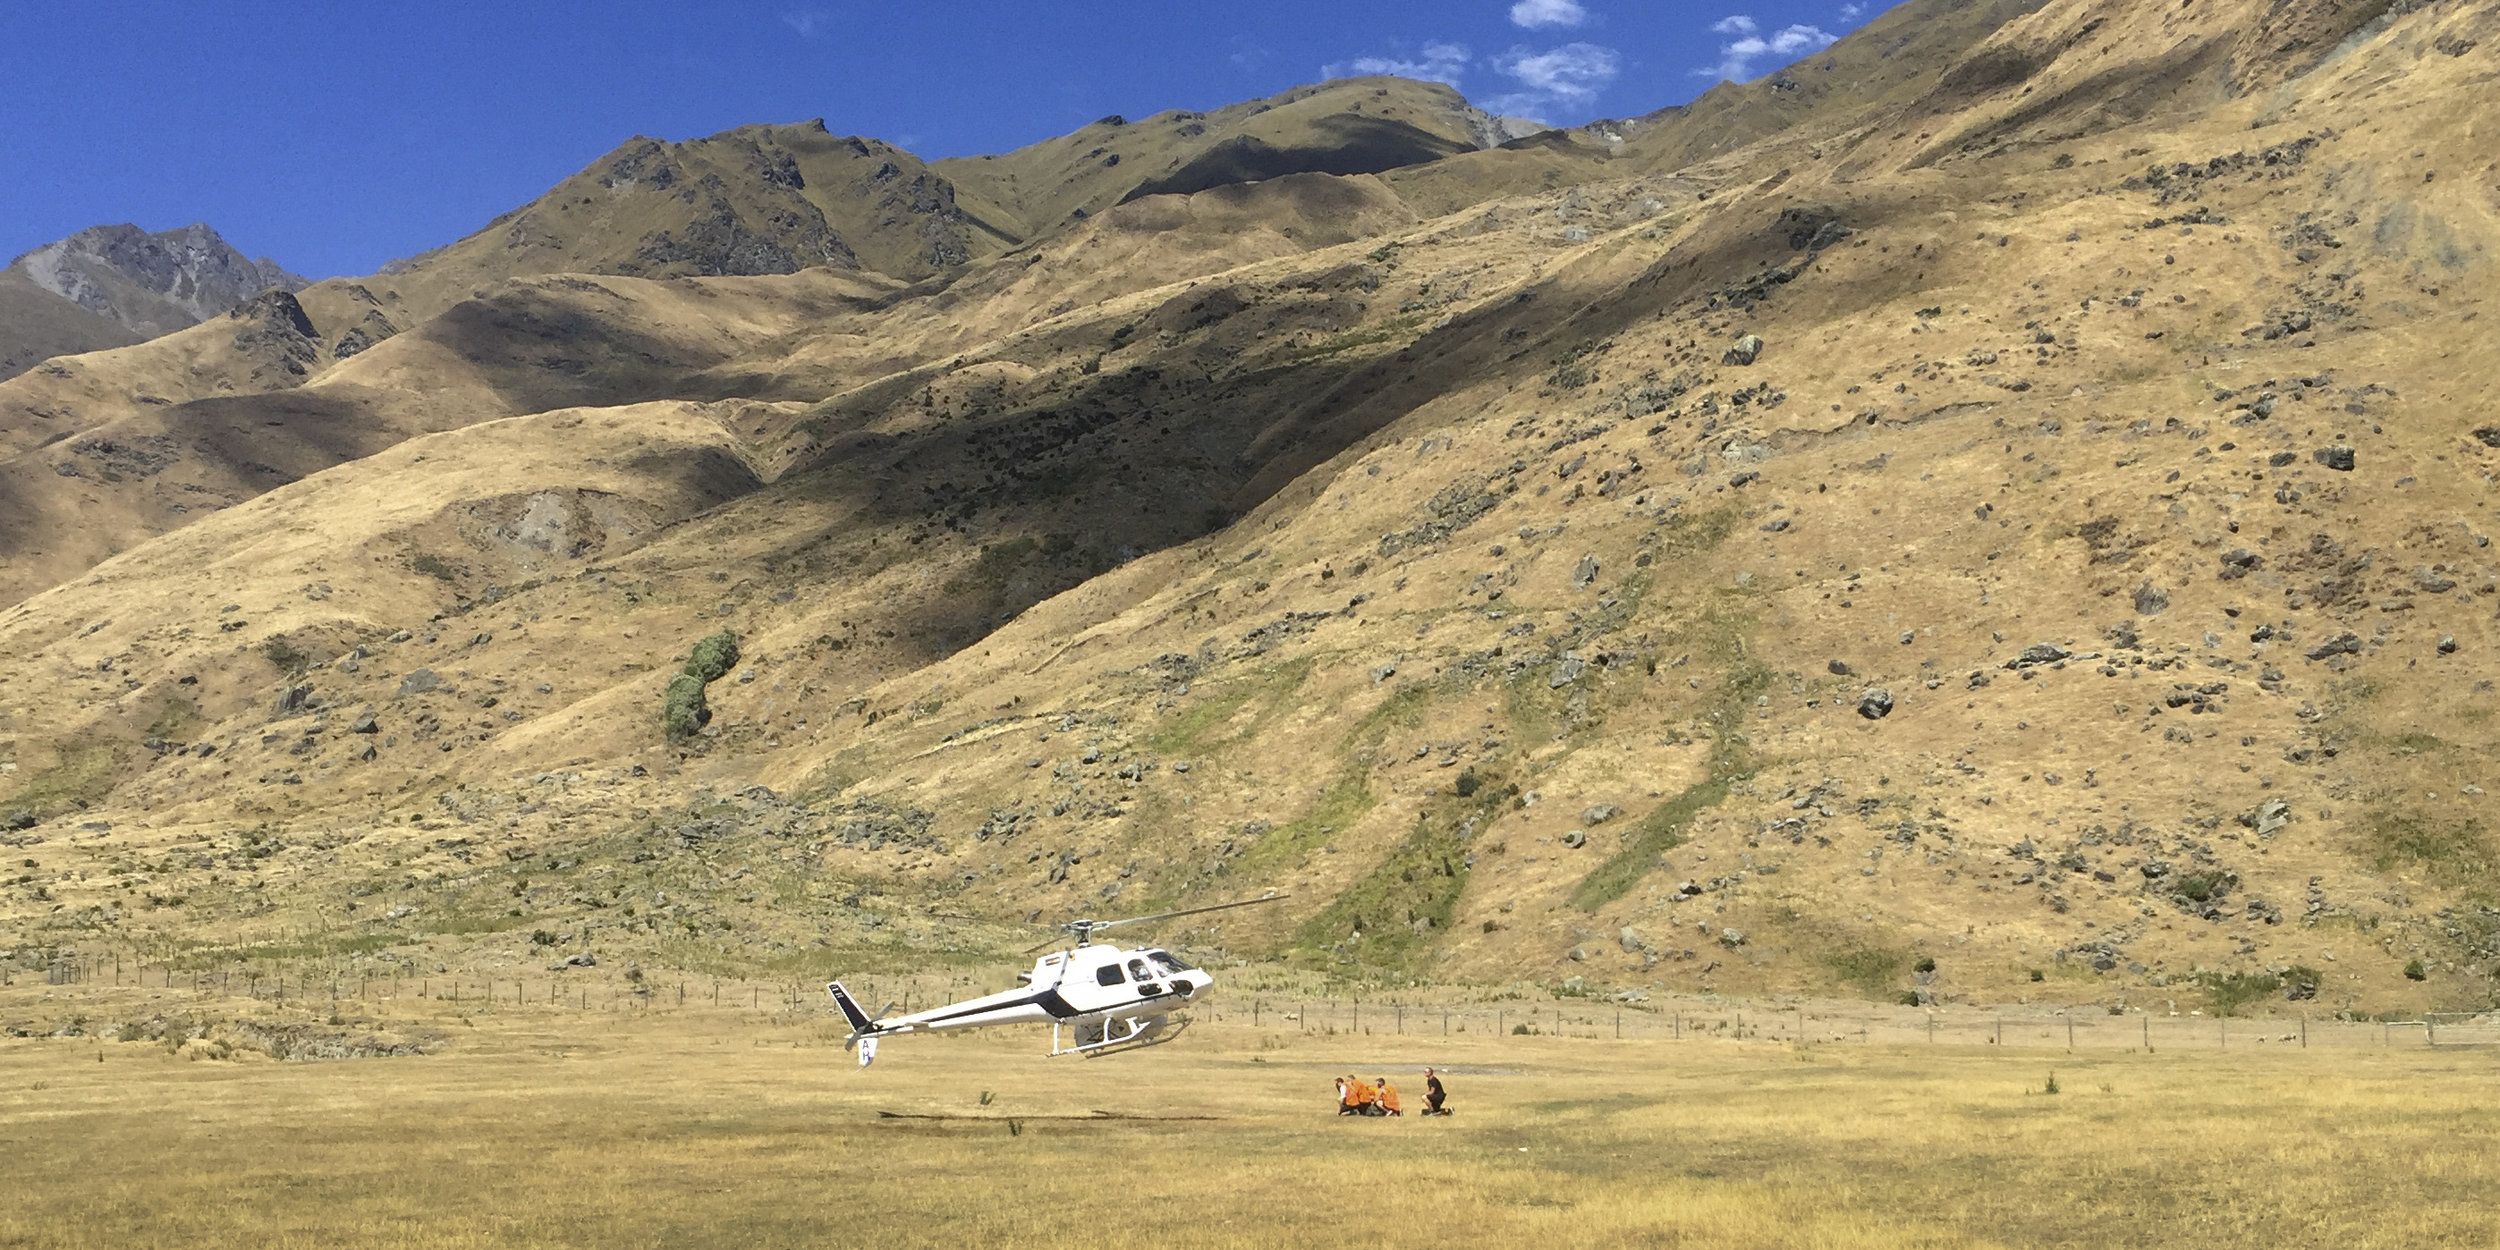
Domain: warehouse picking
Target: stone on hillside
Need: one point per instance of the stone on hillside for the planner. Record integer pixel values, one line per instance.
(292, 699)
(2338, 458)
(2447, 644)
(420, 681)
(2340, 644)
(365, 722)
(2150, 601)
(368, 754)
(1744, 351)
(1731, 937)
(1631, 941)
(1383, 672)
(583, 960)
(2272, 815)
(2489, 434)
(1585, 573)
(1600, 814)
(1575, 839)
(2039, 653)
(2239, 562)
(1839, 668)
(1568, 671)
(1875, 704)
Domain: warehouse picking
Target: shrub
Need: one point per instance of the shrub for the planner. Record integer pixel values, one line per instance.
(713, 657)
(433, 566)
(683, 710)
(1925, 964)
(2414, 971)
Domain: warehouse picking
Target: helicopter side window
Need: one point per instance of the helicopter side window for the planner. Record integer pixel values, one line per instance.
(1169, 962)
(1108, 974)
(1137, 971)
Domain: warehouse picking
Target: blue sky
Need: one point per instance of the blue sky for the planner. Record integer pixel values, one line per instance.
(335, 137)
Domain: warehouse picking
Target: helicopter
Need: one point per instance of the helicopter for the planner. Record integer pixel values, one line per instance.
(1096, 999)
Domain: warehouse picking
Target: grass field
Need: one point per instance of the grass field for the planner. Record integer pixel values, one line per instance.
(726, 1127)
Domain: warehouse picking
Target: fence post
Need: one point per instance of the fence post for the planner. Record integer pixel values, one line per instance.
(2304, 1030)
(1679, 1026)
(2148, 1034)
(1931, 1028)
(2070, 1032)
(2000, 1039)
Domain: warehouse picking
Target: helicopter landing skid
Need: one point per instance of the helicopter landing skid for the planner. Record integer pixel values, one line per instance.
(1116, 1036)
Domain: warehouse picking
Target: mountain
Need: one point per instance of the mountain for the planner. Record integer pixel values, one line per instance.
(2025, 507)
(129, 284)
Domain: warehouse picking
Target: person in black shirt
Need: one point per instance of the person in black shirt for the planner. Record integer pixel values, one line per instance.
(1434, 1095)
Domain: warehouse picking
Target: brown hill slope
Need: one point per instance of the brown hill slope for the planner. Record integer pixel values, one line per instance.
(2110, 473)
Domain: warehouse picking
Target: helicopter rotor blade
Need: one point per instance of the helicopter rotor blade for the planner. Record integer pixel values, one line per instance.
(1192, 911)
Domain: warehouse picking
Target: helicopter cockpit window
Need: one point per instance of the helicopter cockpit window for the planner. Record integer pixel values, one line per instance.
(1170, 963)
(1108, 974)
(1137, 971)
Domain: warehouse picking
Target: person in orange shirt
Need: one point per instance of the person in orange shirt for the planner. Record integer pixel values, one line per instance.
(1354, 1097)
(1387, 1099)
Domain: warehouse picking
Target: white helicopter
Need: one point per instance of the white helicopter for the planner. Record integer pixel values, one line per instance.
(1106, 997)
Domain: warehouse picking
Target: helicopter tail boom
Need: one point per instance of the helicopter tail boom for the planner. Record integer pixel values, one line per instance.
(861, 1024)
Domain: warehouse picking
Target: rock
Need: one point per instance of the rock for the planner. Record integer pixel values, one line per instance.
(401, 636)
(1383, 672)
(1575, 839)
(1631, 941)
(2239, 562)
(2039, 653)
(1840, 668)
(1600, 814)
(1779, 526)
(583, 959)
(1875, 704)
(2149, 601)
(367, 755)
(1180, 766)
(1568, 671)
(1743, 351)
(1731, 937)
(1687, 889)
(365, 722)
(420, 681)
(293, 698)
(1908, 636)
(2338, 458)
(20, 819)
(2489, 434)
(1585, 573)
(2271, 816)
(2447, 644)
(1093, 755)
(2340, 644)
(1579, 954)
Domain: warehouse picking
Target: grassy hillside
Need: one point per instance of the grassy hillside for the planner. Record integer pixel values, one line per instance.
(2017, 530)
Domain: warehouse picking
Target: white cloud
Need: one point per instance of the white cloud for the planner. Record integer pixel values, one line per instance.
(1539, 14)
(1568, 77)
(1439, 62)
(1852, 12)
(807, 21)
(1737, 57)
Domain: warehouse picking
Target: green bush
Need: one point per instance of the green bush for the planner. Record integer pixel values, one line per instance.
(683, 710)
(713, 657)
(2414, 971)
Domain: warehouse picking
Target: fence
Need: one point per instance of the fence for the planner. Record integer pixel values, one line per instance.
(2078, 1030)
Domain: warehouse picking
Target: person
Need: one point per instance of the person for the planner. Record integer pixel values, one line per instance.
(1434, 1095)
(1345, 1095)
(1361, 1097)
(1387, 1100)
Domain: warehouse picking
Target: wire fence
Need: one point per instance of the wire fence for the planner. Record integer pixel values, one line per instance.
(602, 990)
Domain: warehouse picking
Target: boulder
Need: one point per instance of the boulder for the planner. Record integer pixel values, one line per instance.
(2338, 458)
(1744, 351)
(420, 681)
(1875, 704)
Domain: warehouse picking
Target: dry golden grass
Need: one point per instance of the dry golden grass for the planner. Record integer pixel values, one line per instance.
(729, 1128)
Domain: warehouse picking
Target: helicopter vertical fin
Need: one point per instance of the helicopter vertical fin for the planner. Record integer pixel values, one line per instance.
(859, 1021)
